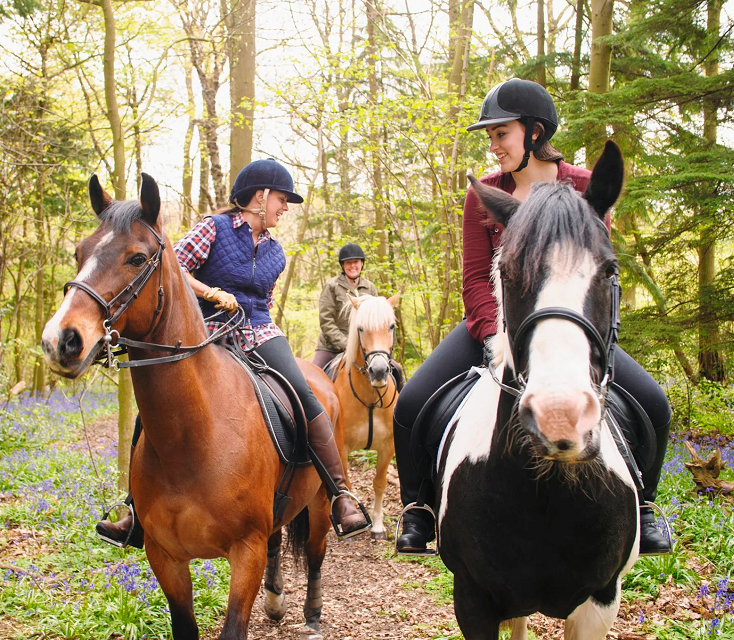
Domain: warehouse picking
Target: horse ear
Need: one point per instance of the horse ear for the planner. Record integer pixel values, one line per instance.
(606, 180)
(355, 301)
(393, 300)
(150, 199)
(99, 198)
(499, 204)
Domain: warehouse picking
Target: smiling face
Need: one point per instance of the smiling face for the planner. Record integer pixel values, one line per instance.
(352, 268)
(277, 205)
(507, 143)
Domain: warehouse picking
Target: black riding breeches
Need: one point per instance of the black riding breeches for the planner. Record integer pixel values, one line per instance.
(459, 352)
(277, 354)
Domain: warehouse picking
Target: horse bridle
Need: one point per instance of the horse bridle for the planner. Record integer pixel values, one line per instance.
(605, 347)
(124, 299)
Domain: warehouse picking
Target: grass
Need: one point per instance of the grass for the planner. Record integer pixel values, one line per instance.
(56, 578)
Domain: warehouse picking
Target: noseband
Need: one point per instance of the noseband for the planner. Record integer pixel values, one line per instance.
(125, 299)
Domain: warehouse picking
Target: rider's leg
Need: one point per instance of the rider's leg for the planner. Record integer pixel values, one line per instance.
(277, 353)
(456, 353)
(321, 358)
(119, 531)
(629, 375)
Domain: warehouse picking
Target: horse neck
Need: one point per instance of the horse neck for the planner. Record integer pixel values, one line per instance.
(170, 391)
(353, 354)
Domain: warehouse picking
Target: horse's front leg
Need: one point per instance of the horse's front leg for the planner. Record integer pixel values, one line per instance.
(384, 456)
(592, 619)
(174, 577)
(275, 605)
(247, 559)
(319, 525)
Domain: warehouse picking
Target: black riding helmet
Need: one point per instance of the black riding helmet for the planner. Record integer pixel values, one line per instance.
(522, 100)
(351, 251)
(262, 174)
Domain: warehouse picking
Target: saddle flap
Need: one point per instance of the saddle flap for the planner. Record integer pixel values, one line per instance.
(434, 417)
(635, 425)
(331, 368)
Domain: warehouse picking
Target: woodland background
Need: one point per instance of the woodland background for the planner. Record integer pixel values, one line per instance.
(367, 101)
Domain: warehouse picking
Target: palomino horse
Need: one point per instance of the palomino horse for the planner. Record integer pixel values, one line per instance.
(205, 470)
(367, 391)
(536, 508)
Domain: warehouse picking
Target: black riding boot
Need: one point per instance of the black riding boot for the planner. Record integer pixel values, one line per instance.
(652, 541)
(418, 524)
(345, 513)
(118, 533)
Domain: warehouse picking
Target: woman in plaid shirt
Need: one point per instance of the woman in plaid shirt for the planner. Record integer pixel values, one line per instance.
(230, 260)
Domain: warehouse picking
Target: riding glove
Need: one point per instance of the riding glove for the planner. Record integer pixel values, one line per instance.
(222, 299)
(487, 355)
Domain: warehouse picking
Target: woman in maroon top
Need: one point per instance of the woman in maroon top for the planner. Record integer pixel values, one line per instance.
(519, 118)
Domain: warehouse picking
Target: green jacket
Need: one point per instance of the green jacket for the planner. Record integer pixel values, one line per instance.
(334, 323)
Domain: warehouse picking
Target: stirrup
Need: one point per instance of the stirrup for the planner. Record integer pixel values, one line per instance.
(667, 532)
(414, 506)
(337, 526)
(117, 543)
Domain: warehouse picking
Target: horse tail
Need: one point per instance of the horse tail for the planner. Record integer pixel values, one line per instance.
(298, 532)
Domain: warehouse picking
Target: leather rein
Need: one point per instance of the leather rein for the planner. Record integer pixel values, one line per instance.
(103, 352)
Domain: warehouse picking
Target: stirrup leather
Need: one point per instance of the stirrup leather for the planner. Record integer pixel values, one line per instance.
(414, 506)
(337, 526)
(667, 532)
(106, 515)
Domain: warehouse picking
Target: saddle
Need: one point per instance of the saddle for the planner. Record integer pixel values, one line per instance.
(437, 414)
(280, 406)
(331, 368)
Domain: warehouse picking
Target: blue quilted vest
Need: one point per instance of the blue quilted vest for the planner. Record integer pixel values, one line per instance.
(235, 267)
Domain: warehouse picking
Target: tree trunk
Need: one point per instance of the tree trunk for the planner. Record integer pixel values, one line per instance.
(39, 370)
(540, 76)
(242, 84)
(578, 37)
(125, 418)
(205, 201)
(600, 68)
(188, 169)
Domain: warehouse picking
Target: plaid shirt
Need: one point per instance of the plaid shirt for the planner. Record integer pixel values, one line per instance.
(192, 252)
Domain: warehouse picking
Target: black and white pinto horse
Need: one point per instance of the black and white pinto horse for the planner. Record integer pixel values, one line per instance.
(536, 508)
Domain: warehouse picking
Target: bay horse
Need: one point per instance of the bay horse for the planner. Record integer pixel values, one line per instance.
(536, 508)
(367, 390)
(205, 471)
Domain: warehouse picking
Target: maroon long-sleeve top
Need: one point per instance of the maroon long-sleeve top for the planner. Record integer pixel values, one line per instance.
(480, 242)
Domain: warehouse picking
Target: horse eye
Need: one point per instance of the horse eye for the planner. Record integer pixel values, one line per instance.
(610, 270)
(360, 329)
(138, 260)
(76, 256)
(392, 327)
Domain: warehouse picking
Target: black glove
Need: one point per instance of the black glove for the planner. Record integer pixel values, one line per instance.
(487, 355)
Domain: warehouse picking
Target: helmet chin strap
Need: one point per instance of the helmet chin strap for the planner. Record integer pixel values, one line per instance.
(529, 144)
(262, 211)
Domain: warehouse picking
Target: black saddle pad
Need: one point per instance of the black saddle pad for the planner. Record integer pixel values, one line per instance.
(280, 406)
(433, 419)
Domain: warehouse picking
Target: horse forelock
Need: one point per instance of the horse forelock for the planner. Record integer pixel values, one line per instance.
(120, 215)
(374, 313)
(553, 214)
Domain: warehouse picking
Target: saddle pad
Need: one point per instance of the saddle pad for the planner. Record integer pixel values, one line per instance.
(277, 406)
(331, 368)
(434, 417)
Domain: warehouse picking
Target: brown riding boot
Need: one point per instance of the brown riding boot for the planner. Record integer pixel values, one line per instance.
(345, 513)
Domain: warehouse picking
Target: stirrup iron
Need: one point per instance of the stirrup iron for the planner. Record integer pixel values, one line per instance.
(117, 543)
(414, 506)
(667, 532)
(337, 527)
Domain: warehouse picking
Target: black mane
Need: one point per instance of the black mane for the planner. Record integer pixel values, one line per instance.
(552, 214)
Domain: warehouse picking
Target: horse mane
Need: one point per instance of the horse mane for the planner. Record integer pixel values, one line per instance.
(553, 213)
(374, 314)
(121, 214)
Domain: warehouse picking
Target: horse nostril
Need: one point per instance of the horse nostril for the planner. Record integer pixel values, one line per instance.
(564, 445)
(70, 343)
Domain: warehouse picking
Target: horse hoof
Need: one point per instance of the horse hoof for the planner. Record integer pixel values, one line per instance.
(311, 631)
(378, 535)
(275, 606)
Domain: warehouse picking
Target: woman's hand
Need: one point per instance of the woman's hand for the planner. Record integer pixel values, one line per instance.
(221, 299)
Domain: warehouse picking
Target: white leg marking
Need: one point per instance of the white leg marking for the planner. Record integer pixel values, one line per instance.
(519, 629)
(591, 620)
(473, 435)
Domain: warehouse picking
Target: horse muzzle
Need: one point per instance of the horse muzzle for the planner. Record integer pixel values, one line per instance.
(64, 350)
